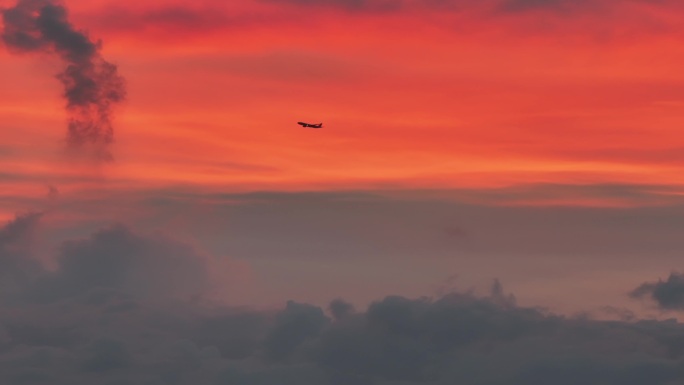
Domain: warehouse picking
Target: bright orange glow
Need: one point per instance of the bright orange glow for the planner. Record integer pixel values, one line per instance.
(415, 98)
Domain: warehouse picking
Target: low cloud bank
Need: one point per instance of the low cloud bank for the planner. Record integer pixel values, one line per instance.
(125, 308)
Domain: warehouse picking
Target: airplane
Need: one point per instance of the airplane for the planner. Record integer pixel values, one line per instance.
(319, 125)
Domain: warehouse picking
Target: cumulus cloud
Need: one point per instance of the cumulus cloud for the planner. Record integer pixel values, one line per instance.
(120, 307)
(116, 258)
(17, 267)
(454, 339)
(341, 309)
(113, 264)
(294, 326)
(668, 295)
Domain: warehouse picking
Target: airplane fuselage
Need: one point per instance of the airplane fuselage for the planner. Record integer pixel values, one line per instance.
(304, 124)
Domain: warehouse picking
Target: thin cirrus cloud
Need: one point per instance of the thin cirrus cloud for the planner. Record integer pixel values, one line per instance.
(177, 18)
(361, 6)
(485, 9)
(557, 5)
(521, 16)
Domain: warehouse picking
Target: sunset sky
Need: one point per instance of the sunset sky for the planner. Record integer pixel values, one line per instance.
(519, 108)
(539, 143)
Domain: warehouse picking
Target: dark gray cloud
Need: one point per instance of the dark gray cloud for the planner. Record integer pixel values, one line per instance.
(341, 309)
(115, 258)
(106, 355)
(120, 307)
(16, 236)
(668, 295)
(91, 84)
(113, 335)
(294, 326)
(17, 267)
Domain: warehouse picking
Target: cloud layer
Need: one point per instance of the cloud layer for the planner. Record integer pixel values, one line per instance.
(122, 308)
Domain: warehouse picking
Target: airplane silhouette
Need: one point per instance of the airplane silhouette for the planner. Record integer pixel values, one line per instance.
(319, 125)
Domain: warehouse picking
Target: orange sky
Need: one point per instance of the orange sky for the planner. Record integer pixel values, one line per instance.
(453, 96)
(442, 103)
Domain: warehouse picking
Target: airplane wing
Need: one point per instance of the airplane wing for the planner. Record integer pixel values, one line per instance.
(303, 124)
